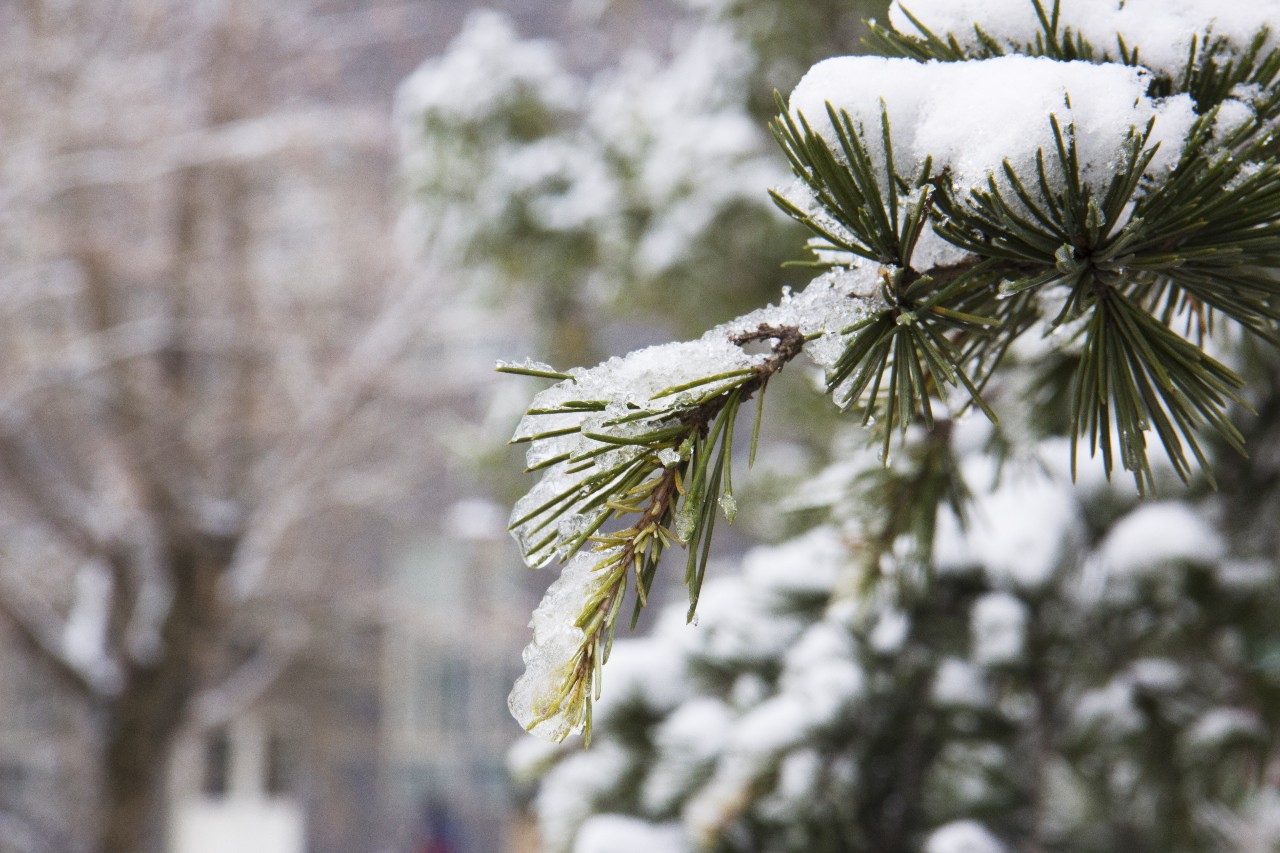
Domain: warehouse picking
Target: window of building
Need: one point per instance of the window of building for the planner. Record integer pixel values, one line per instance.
(454, 681)
(217, 763)
(280, 765)
(13, 778)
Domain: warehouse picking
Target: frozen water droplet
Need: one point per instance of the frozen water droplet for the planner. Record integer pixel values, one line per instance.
(683, 525)
(729, 505)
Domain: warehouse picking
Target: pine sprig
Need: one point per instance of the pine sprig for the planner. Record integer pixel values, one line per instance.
(1215, 69)
(671, 479)
(633, 552)
(1136, 376)
(912, 345)
(879, 215)
(1051, 40)
(869, 209)
(1204, 240)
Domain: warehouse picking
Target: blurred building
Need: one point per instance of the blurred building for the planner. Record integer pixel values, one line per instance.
(458, 618)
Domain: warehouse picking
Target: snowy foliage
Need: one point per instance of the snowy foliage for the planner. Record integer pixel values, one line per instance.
(1161, 35)
(1027, 224)
(999, 702)
(600, 189)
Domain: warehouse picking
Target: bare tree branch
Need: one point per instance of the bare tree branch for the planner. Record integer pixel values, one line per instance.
(42, 635)
(221, 703)
(242, 141)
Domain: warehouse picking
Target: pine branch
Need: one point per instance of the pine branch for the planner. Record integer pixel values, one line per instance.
(880, 216)
(1051, 40)
(635, 550)
(673, 477)
(903, 502)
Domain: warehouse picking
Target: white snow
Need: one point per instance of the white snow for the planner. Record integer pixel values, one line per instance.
(1156, 534)
(548, 659)
(642, 672)
(890, 632)
(776, 724)
(1219, 725)
(959, 683)
(567, 796)
(1160, 30)
(1021, 528)
(529, 757)
(736, 626)
(823, 672)
(611, 833)
(998, 625)
(749, 689)
(1109, 710)
(686, 741)
(971, 117)
(691, 147)
(963, 836)
(798, 776)
(84, 639)
(486, 70)
(1157, 675)
(810, 563)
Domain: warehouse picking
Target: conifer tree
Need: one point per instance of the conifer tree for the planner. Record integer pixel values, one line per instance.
(1045, 245)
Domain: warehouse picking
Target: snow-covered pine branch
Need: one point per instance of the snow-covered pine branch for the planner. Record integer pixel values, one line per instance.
(959, 208)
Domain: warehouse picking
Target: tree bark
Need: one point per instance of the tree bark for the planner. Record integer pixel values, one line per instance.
(142, 722)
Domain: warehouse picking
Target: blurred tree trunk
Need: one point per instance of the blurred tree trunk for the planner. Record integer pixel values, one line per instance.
(144, 718)
(205, 346)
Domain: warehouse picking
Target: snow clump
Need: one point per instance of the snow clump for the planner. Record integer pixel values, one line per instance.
(963, 836)
(1159, 31)
(611, 833)
(971, 117)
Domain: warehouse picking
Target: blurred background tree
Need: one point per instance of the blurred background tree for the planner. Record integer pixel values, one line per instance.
(206, 391)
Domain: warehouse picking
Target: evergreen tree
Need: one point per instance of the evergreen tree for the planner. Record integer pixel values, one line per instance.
(1037, 230)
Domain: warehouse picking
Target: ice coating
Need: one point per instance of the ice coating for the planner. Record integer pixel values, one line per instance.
(622, 386)
(1160, 30)
(535, 700)
(971, 117)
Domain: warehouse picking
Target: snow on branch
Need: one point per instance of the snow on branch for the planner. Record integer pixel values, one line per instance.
(44, 633)
(955, 206)
(646, 442)
(1080, 196)
(1162, 36)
